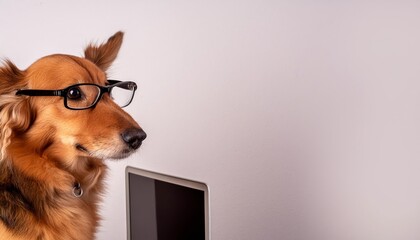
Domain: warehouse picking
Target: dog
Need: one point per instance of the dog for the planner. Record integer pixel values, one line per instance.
(59, 120)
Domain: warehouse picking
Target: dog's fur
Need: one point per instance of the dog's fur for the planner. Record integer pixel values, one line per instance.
(47, 148)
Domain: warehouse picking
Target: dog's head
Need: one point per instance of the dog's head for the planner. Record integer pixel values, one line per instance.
(78, 115)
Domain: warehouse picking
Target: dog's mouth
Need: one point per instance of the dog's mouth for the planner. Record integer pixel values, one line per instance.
(81, 148)
(103, 154)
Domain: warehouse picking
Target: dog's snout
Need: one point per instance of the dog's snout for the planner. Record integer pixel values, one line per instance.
(134, 137)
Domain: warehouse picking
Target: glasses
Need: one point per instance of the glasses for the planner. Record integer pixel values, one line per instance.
(86, 95)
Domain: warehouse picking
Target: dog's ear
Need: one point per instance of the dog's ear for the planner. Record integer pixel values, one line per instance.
(11, 77)
(104, 54)
(16, 115)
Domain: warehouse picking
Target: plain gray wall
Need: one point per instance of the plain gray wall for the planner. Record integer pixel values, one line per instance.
(302, 116)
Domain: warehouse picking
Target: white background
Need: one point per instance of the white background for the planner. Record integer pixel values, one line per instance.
(301, 116)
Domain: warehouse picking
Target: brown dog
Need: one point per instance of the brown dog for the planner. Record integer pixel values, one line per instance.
(59, 119)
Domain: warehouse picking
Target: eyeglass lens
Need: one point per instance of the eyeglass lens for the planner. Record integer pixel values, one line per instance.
(85, 96)
(82, 96)
(122, 94)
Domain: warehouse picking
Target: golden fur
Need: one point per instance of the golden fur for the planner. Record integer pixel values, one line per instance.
(41, 157)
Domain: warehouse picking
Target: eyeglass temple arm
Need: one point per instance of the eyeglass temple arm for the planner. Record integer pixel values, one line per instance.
(40, 92)
(125, 84)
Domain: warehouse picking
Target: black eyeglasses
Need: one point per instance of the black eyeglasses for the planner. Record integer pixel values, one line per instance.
(87, 95)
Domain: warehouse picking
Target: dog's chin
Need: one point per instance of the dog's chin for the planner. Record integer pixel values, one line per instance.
(107, 153)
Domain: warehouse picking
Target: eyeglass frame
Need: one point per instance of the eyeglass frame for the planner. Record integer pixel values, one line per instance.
(63, 92)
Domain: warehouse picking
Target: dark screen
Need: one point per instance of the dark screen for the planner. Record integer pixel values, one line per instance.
(165, 211)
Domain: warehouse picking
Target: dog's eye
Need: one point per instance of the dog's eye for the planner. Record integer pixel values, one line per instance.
(74, 93)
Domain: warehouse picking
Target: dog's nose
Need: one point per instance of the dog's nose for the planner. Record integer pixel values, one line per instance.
(134, 137)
